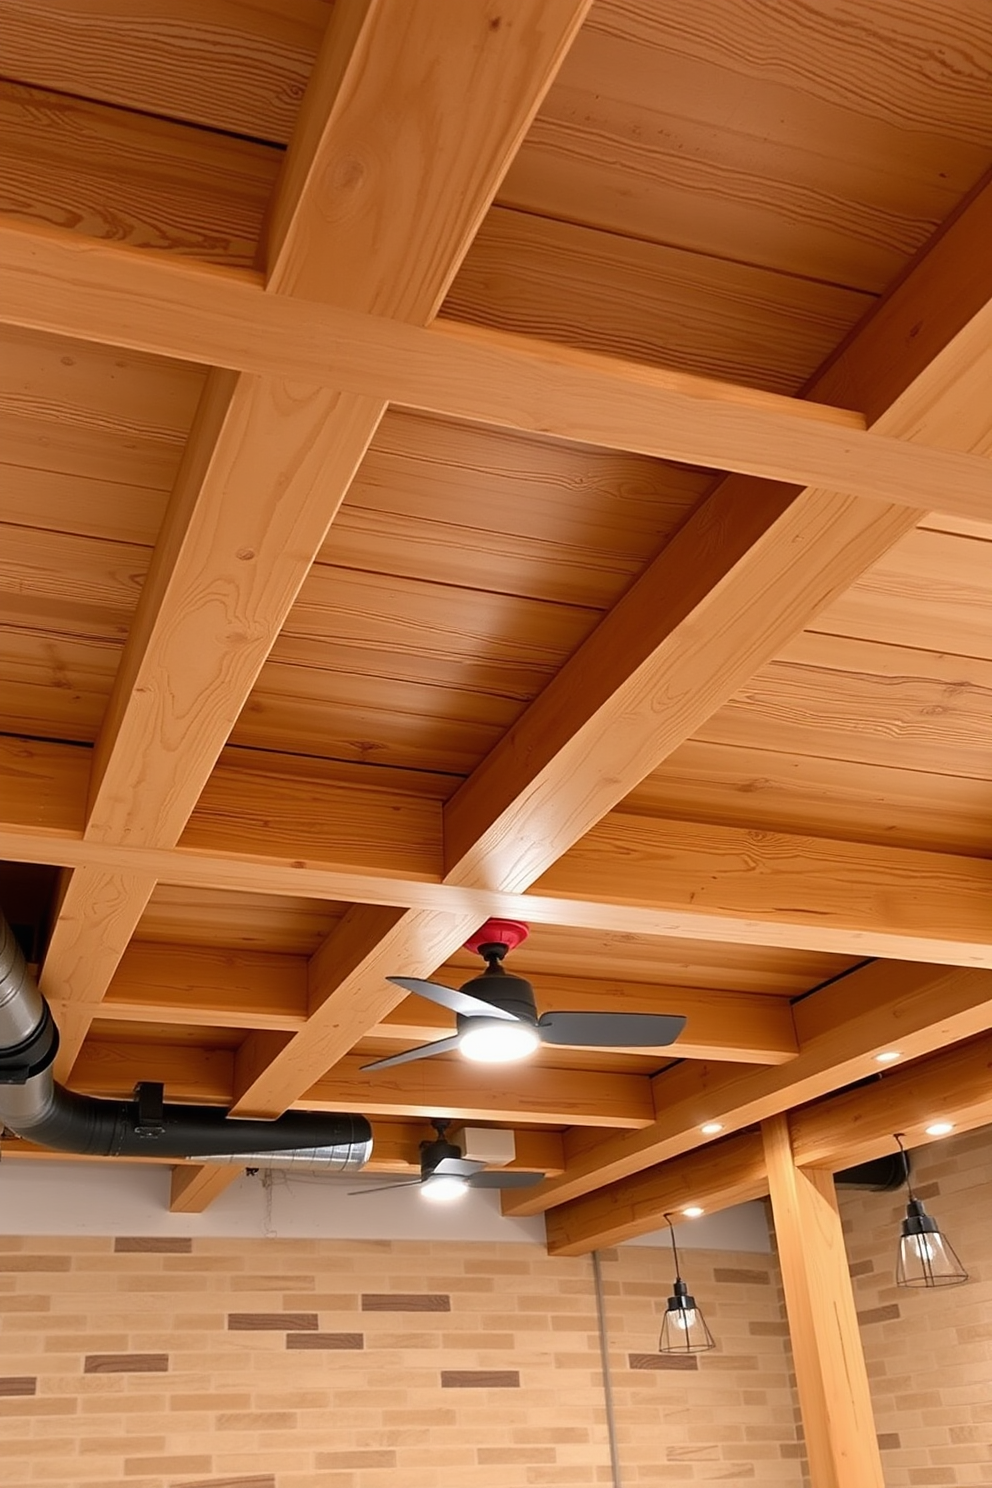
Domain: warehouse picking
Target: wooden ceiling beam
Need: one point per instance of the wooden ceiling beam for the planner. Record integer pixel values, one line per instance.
(837, 1132)
(884, 1006)
(258, 830)
(62, 284)
(711, 1178)
(256, 990)
(538, 1094)
(269, 460)
(857, 1125)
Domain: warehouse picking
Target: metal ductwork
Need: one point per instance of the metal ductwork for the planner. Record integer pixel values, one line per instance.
(34, 1106)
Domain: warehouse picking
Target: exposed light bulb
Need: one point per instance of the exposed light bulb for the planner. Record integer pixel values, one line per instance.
(710, 1128)
(888, 1056)
(497, 1040)
(443, 1188)
(940, 1128)
(693, 1211)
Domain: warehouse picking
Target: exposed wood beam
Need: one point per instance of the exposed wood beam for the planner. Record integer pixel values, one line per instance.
(713, 1177)
(195, 1185)
(833, 1133)
(255, 990)
(269, 461)
(60, 283)
(954, 1085)
(261, 831)
(538, 1094)
(774, 888)
(888, 1005)
(831, 1377)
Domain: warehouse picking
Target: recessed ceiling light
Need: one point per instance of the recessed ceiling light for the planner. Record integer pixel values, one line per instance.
(940, 1128)
(693, 1211)
(888, 1056)
(710, 1128)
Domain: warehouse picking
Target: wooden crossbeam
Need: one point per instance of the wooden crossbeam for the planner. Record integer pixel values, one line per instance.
(537, 1093)
(885, 1006)
(259, 830)
(270, 459)
(59, 283)
(255, 990)
(837, 1132)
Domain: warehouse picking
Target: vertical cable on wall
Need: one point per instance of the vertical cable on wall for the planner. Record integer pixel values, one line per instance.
(604, 1354)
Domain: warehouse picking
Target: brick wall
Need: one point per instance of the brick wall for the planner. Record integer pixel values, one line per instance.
(929, 1353)
(334, 1364)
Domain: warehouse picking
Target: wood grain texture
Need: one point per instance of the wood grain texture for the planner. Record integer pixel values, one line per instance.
(706, 129)
(192, 313)
(228, 66)
(831, 1376)
(105, 173)
(889, 901)
(651, 302)
(544, 1096)
(194, 1186)
(769, 790)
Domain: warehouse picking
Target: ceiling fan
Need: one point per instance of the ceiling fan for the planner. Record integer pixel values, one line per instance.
(446, 1175)
(496, 1013)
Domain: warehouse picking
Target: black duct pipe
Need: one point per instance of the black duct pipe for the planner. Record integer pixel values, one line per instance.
(33, 1106)
(880, 1174)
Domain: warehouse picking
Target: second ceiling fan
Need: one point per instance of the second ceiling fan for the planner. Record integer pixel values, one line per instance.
(496, 1013)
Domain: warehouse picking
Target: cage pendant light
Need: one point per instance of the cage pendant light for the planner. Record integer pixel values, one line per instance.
(925, 1257)
(683, 1328)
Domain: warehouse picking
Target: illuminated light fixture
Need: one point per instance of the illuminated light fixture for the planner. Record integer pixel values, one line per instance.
(443, 1188)
(710, 1128)
(683, 1329)
(888, 1056)
(925, 1257)
(693, 1211)
(940, 1128)
(498, 1041)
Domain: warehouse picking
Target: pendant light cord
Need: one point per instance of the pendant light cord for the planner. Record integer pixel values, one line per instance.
(900, 1138)
(604, 1354)
(671, 1230)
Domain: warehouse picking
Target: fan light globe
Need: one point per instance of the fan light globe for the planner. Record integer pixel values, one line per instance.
(497, 1040)
(443, 1188)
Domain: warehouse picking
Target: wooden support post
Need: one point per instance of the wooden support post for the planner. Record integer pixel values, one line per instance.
(830, 1368)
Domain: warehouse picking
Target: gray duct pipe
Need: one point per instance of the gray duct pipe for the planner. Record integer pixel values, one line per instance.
(33, 1106)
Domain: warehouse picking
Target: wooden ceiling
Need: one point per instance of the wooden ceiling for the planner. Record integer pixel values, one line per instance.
(505, 456)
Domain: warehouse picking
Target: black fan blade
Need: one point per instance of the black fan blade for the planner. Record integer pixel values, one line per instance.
(610, 1030)
(357, 1193)
(495, 1178)
(450, 998)
(422, 1051)
(457, 1167)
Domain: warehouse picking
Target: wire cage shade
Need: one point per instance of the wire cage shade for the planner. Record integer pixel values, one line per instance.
(683, 1328)
(926, 1258)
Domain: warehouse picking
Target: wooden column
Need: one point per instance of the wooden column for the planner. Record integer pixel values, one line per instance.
(826, 1346)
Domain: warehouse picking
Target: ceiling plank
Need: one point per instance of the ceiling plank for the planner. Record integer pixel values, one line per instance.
(56, 282)
(268, 462)
(887, 1005)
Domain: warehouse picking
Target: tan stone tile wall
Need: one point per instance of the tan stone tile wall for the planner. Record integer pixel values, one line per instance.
(929, 1353)
(310, 1364)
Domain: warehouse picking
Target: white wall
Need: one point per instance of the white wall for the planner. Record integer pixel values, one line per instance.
(55, 1198)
